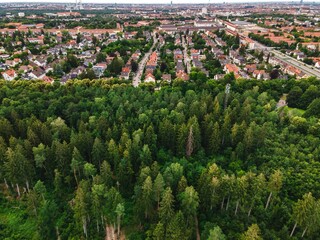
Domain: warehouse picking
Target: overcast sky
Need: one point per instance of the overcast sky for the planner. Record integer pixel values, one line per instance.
(152, 1)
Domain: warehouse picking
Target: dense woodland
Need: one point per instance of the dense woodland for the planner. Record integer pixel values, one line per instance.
(88, 158)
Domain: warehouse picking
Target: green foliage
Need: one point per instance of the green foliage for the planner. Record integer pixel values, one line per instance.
(216, 234)
(115, 66)
(169, 164)
(313, 109)
(253, 233)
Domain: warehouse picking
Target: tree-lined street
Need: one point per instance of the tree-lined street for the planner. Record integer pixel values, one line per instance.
(142, 63)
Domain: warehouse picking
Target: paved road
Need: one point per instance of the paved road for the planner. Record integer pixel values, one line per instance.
(312, 71)
(137, 78)
(185, 55)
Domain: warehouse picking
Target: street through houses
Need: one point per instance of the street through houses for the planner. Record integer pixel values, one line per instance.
(142, 63)
(185, 55)
(298, 64)
(287, 59)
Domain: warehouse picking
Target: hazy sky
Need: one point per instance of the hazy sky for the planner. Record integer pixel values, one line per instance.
(152, 1)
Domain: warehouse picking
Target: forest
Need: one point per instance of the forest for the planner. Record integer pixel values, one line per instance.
(189, 161)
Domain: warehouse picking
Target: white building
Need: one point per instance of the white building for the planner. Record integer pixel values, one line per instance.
(204, 11)
(21, 14)
(150, 78)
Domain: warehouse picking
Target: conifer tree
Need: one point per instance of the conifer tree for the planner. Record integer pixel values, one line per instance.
(274, 185)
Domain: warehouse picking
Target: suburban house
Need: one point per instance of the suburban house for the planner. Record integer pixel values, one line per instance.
(182, 75)
(76, 72)
(38, 73)
(25, 69)
(260, 74)
(166, 77)
(150, 78)
(125, 73)
(99, 68)
(250, 68)
(232, 68)
(38, 40)
(178, 54)
(40, 61)
(218, 76)
(12, 63)
(47, 79)
(153, 59)
(9, 75)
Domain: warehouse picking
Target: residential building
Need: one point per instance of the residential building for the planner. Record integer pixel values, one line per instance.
(9, 75)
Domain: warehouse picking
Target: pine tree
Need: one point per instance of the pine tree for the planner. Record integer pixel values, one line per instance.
(120, 212)
(183, 183)
(172, 175)
(62, 157)
(190, 204)
(89, 170)
(253, 233)
(76, 164)
(226, 128)
(18, 168)
(182, 136)
(194, 136)
(240, 191)
(216, 234)
(58, 184)
(166, 206)
(255, 189)
(227, 189)
(274, 185)
(47, 220)
(216, 109)
(145, 156)
(158, 188)
(98, 152)
(215, 139)
(150, 138)
(147, 196)
(98, 193)
(158, 232)
(40, 189)
(106, 174)
(190, 143)
(306, 213)
(81, 210)
(177, 229)
(40, 156)
(113, 153)
(113, 198)
(248, 140)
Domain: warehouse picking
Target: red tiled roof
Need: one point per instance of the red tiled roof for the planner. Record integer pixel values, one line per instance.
(232, 68)
(10, 72)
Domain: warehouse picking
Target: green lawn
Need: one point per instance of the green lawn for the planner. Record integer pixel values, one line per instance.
(296, 111)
